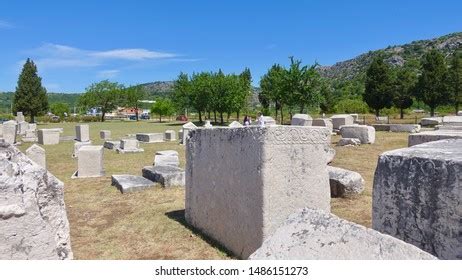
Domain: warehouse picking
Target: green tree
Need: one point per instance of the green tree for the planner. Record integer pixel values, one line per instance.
(455, 80)
(378, 92)
(30, 97)
(105, 95)
(132, 96)
(60, 109)
(201, 85)
(181, 92)
(163, 107)
(272, 86)
(432, 85)
(404, 89)
(329, 99)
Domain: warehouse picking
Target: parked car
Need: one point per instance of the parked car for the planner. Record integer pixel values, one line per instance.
(145, 117)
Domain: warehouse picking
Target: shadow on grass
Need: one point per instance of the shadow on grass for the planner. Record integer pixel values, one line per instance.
(179, 216)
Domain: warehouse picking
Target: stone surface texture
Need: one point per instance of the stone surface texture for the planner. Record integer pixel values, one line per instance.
(105, 134)
(90, 161)
(131, 183)
(33, 220)
(253, 179)
(339, 120)
(186, 129)
(37, 154)
(111, 145)
(417, 197)
(365, 133)
(129, 146)
(411, 128)
(170, 135)
(48, 136)
(10, 131)
(452, 120)
(324, 122)
(171, 160)
(429, 136)
(431, 121)
(167, 176)
(301, 120)
(344, 183)
(77, 146)
(349, 142)
(311, 234)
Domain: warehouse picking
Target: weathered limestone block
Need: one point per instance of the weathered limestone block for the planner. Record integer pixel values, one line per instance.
(22, 127)
(19, 117)
(90, 162)
(30, 136)
(37, 155)
(349, 142)
(235, 124)
(208, 124)
(330, 154)
(170, 135)
(10, 130)
(111, 145)
(311, 234)
(129, 146)
(150, 137)
(186, 129)
(130, 183)
(48, 136)
(429, 136)
(448, 127)
(33, 221)
(32, 126)
(105, 134)
(301, 120)
(82, 133)
(344, 183)
(417, 197)
(339, 120)
(167, 153)
(324, 122)
(171, 160)
(452, 120)
(180, 136)
(411, 128)
(432, 121)
(77, 146)
(167, 176)
(253, 179)
(365, 133)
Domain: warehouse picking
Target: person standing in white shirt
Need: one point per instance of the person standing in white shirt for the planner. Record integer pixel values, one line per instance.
(261, 120)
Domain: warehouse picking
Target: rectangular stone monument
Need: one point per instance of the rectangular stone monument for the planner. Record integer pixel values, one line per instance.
(37, 155)
(82, 133)
(19, 117)
(301, 120)
(323, 122)
(417, 196)
(241, 184)
(150, 137)
(428, 136)
(10, 130)
(22, 127)
(48, 136)
(90, 162)
(365, 133)
(30, 136)
(129, 146)
(77, 146)
(111, 145)
(170, 135)
(339, 120)
(452, 120)
(186, 129)
(105, 134)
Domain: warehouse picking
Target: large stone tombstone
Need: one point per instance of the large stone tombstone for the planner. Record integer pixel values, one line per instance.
(10, 130)
(186, 129)
(417, 196)
(33, 221)
(150, 137)
(242, 183)
(48, 136)
(429, 136)
(170, 135)
(343, 119)
(37, 155)
(129, 146)
(77, 146)
(365, 133)
(22, 127)
(82, 133)
(302, 120)
(90, 161)
(323, 122)
(19, 117)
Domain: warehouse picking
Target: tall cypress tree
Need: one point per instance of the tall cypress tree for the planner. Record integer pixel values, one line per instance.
(455, 78)
(378, 92)
(404, 89)
(432, 86)
(30, 97)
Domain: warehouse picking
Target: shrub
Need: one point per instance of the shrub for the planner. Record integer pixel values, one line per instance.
(351, 106)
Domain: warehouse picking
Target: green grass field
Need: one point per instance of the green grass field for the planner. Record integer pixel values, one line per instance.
(106, 224)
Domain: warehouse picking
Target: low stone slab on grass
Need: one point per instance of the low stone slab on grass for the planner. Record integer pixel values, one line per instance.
(167, 176)
(317, 235)
(111, 145)
(171, 160)
(429, 136)
(344, 183)
(150, 137)
(349, 142)
(131, 183)
(432, 121)
(167, 153)
(364, 133)
(411, 128)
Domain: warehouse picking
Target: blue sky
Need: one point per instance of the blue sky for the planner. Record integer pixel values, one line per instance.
(76, 43)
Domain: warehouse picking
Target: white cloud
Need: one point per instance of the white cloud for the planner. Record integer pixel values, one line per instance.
(108, 74)
(50, 55)
(5, 24)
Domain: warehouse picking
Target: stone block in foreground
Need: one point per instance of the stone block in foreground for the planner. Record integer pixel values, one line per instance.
(241, 184)
(316, 235)
(429, 136)
(166, 175)
(365, 133)
(131, 183)
(417, 197)
(33, 220)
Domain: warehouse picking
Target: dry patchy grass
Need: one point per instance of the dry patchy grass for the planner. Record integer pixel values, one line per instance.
(150, 224)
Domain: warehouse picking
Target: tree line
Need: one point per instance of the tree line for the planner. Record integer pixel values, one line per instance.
(213, 93)
(434, 83)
